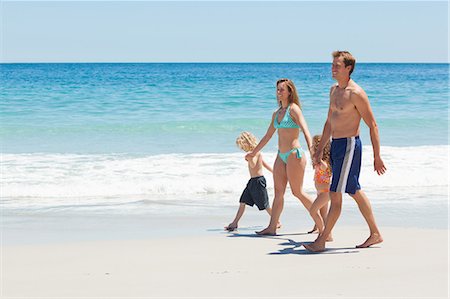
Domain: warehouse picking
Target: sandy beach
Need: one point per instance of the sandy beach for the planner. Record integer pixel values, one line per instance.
(410, 263)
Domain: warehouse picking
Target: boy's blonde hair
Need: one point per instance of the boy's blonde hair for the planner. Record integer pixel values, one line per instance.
(246, 141)
(326, 157)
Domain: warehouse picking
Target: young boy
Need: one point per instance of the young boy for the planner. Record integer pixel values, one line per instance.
(255, 192)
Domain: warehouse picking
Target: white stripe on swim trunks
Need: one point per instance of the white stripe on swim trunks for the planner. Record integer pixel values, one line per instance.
(348, 159)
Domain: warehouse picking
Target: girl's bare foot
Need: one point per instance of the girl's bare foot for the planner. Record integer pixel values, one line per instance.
(315, 247)
(328, 239)
(314, 230)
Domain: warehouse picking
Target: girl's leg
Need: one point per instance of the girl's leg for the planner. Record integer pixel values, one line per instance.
(321, 201)
(323, 213)
(280, 182)
(325, 208)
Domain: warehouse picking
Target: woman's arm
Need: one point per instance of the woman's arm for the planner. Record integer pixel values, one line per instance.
(264, 140)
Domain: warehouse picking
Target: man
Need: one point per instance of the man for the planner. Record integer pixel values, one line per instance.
(348, 104)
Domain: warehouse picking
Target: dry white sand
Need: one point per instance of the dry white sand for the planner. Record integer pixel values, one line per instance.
(410, 263)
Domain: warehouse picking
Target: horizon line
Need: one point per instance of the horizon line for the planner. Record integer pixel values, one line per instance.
(214, 62)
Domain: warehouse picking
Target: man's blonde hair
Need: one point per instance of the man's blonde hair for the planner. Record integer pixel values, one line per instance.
(246, 141)
(348, 59)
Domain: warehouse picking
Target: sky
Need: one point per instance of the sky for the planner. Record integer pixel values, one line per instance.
(223, 31)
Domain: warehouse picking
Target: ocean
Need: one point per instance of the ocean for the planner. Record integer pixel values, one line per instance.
(157, 139)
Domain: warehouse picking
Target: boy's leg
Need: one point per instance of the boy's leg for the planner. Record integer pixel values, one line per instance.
(366, 210)
(234, 225)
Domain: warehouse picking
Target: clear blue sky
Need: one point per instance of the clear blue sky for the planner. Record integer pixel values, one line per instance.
(228, 31)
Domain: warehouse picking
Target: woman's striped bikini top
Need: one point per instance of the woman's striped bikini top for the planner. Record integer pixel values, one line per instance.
(286, 122)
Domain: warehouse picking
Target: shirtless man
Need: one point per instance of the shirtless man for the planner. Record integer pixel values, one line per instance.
(348, 104)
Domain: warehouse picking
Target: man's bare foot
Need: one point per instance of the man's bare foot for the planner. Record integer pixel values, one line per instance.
(266, 232)
(313, 230)
(231, 227)
(372, 240)
(315, 247)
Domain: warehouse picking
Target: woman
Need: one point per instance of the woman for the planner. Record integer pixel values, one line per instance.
(290, 162)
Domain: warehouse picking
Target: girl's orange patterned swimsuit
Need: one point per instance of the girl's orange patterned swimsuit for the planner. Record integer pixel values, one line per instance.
(322, 176)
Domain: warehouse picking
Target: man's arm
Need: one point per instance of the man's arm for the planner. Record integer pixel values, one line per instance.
(326, 135)
(361, 101)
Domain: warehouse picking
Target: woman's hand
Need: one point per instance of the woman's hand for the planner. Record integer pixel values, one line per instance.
(249, 155)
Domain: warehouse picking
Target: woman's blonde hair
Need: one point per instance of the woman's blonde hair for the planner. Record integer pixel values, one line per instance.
(293, 95)
(326, 157)
(246, 141)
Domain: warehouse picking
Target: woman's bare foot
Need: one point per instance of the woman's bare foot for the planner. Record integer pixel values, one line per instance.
(372, 240)
(267, 232)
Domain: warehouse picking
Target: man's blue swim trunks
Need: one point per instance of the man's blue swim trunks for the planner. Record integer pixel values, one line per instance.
(346, 164)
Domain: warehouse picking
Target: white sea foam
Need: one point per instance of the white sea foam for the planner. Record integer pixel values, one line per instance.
(63, 179)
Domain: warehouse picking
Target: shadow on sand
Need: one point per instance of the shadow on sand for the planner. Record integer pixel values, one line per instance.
(293, 247)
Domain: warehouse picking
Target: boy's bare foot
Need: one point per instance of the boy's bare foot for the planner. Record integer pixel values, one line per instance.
(313, 230)
(266, 232)
(315, 247)
(372, 240)
(231, 227)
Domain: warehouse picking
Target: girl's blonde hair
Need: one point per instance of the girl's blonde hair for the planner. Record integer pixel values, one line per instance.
(293, 95)
(246, 141)
(326, 157)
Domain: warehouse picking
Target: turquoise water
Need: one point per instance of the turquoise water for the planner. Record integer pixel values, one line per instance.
(200, 108)
(156, 139)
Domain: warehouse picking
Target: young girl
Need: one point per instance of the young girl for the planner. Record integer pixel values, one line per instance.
(322, 180)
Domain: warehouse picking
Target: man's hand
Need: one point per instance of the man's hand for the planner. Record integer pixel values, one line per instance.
(378, 166)
(317, 157)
